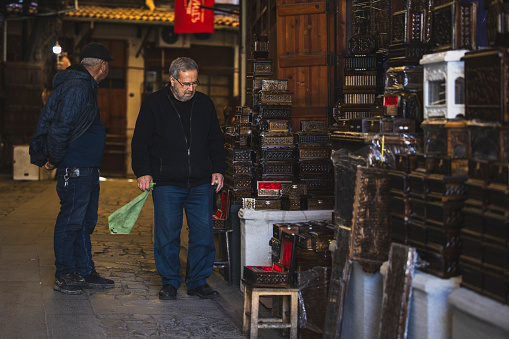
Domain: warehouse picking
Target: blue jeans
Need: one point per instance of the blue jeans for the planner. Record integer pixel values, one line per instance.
(79, 200)
(169, 203)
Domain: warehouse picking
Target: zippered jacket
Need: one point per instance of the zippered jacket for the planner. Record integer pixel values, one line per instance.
(159, 147)
(68, 113)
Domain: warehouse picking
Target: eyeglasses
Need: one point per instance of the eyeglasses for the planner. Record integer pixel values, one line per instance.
(188, 84)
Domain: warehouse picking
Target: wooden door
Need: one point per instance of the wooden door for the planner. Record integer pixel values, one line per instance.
(113, 106)
(306, 56)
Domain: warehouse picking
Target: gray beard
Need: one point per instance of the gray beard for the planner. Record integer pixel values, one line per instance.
(179, 98)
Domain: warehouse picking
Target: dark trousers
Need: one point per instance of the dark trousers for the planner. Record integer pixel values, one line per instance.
(169, 204)
(79, 200)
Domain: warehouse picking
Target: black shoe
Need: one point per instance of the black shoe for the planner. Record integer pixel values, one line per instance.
(168, 292)
(67, 284)
(204, 292)
(94, 280)
(79, 279)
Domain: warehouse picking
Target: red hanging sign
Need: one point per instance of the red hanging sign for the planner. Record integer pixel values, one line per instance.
(190, 18)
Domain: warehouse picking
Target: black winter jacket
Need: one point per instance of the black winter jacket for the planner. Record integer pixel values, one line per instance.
(69, 112)
(159, 146)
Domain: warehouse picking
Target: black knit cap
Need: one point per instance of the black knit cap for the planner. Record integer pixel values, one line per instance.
(96, 50)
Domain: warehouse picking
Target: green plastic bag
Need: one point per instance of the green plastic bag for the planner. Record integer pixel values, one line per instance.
(122, 220)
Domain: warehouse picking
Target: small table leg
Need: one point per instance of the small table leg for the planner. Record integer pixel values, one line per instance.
(255, 303)
(247, 309)
(294, 312)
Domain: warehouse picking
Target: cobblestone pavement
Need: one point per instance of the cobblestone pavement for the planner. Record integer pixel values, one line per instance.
(31, 309)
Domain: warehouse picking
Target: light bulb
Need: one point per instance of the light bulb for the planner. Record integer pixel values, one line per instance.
(57, 49)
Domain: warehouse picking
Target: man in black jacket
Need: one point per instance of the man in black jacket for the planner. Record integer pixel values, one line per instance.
(178, 144)
(71, 137)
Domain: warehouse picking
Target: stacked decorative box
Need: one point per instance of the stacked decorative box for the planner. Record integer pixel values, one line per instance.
(239, 173)
(363, 83)
(276, 161)
(315, 168)
(485, 236)
(428, 189)
(357, 115)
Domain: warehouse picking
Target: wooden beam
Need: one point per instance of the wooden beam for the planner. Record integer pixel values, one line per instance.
(303, 60)
(302, 8)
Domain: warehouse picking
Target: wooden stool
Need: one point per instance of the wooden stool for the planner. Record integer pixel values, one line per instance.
(251, 321)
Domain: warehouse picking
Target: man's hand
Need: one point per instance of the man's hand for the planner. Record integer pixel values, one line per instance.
(49, 166)
(144, 182)
(217, 179)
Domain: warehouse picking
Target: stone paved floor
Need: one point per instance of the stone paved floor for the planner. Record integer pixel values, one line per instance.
(31, 309)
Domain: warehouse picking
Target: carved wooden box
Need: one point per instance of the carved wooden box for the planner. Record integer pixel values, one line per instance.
(238, 183)
(261, 204)
(370, 240)
(319, 185)
(276, 139)
(274, 112)
(282, 98)
(241, 169)
(294, 203)
(313, 125)
(399, 205)
(487, 85)
(238, 154)
(485, 255)
(447, 188)
(484, 141)
(399, 227)
(293, 189)
(265, 276)
(231, 139)
(277, 168)
(409, 37)
(275, 153)
(255, 82)
(371, 125)
(454, 26)
(444, 264)
(476, 193)
(237, 194)
(312, 153)
(312, 139)
(398, 180)
(274, 85)
(269, 189)
(479, 170)
(498, 197)
(474, 219)
(499, 173)
(321, 203)
(275, 125)
(259, 67)
(278, 228)
(317, 240)
(312, 167)
(417, 185)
